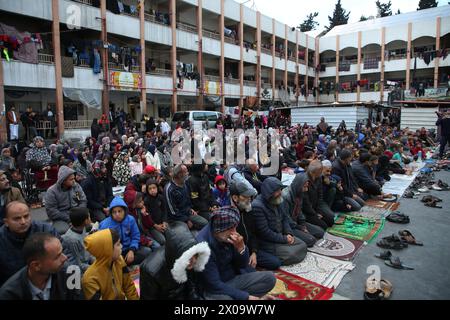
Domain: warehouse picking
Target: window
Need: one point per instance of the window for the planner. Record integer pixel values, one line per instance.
(199, 116)
(180, 116)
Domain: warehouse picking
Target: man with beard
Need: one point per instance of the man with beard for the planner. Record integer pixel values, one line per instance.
(8, 194)
(17, 228)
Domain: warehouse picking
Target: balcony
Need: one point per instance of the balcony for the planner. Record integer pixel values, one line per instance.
(211, 78)
(161, 72)
(211, 34)
(113, 66)
(186, 27)
(249, 83)
(46, 58)
(232, 81)
(87, 2)
(230, 40)
(68, 124)
(266, 51)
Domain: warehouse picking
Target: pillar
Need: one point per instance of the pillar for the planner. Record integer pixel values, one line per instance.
(58, 70)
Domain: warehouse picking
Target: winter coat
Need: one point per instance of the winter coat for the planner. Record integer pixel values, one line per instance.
(163, 273)
(272, 225)
(74, 248)
(200, 193)
(127, 228)
(105, 279)
(11, 257)
(348, 180)
(293, 199)
(223, 265)
(365, 179)
(94, 188)
(59, 201)
(313, 202)
(156, 207)
(221, 197)
(178, 202)
(255, 179)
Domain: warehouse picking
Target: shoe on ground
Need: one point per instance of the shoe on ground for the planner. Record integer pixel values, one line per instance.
(436, 187)
(423, 189)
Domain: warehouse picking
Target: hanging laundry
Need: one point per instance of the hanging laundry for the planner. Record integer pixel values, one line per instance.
(97, 61)
(371, 63)
(344, 66)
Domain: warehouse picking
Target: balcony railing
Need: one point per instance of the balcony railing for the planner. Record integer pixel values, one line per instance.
(120, 67)
(211, 78)
(161, 72)
(68, 124)
(46, 58)
(230, 40)
(249, 83)
(88, 2)
(266, 51)
(232, 81)
(266, 86)
(186, 27)
(210, 34)
(151, 18)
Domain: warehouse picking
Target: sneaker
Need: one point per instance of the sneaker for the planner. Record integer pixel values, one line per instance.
(424, 189)
(436, 187)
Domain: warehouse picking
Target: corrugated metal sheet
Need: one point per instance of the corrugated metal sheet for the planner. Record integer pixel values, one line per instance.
(416, 118)
(333, 115)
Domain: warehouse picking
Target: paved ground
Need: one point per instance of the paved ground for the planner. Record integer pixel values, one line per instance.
(431, 278)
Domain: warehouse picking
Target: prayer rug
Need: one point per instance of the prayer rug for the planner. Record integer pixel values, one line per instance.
(337, 247)
(135, 274)
(371, 212)
(356, 228)
(322, 270)
(379, 204)
(292, 287)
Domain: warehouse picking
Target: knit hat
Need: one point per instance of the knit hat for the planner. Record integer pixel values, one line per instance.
(224, 219)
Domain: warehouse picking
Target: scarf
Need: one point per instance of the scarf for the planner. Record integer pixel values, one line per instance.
(121, 171)
(39, 155)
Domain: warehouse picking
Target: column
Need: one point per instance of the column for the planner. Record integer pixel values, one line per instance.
(273, 59)
(358, 67)
(285, 56)
(438, 47)
(337, 68)
(200, 68)
(316, 63)
(241, 62)
(58, 70)
(297, 70)
(104, 53)
(307, 67)
(258, 58)
(143, 74)
(173, 53)
(3, 131)
(383, 50)
(408, 58)
(222, 55)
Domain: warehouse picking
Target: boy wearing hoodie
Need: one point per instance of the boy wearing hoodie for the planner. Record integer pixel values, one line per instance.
(108, 277)
(156, 207)
(220, 192)
(126, 226)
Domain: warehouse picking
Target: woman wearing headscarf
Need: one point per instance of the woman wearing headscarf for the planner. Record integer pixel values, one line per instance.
(152, 157)
(39, 160)
(121, 170)
(7, 162)
(83, 166)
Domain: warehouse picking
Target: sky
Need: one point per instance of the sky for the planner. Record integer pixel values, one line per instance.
(293, 12)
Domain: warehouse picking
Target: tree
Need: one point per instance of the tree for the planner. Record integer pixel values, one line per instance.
(340, 16)
(309, 23)
(384, 9)
(425, 4)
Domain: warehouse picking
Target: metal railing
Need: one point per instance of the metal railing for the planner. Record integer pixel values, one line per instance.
(211, 34)
(120, 67)
(211, 78)
(151, 18)
(161, 72)
(230, 40)
(68, 124)
(232, 81)
(46, 58)
(266, 51)
(88, 2)
(266, 86)
(186, 27)
(249, 83)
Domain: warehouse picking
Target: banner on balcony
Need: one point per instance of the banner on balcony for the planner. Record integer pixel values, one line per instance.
(213, 88)
(427, 94)
(89, 98)
(125, 81)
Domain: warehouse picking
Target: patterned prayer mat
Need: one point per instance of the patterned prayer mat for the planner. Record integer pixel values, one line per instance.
(322, 270)
(356, 228)
(337, 247)
(135, 274)
(292, 287)
(371, 213)
(392, 206)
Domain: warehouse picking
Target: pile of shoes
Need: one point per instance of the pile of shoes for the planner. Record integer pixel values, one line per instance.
(431, 201)
(378, 289)
(397, 217)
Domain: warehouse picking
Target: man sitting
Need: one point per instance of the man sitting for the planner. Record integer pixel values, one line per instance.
(273, 231)
(251, 173)
(8, 194)
(364, 175)
(225, 275)
(17, 228)
(63, 196)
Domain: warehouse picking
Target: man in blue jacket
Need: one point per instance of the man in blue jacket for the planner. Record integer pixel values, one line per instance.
(128, 230)
(226, 274)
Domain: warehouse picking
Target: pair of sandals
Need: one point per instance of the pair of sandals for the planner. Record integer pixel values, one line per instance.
(397, 217)
(431, 201)
(392, 242)
(392, 261)
(378, 290)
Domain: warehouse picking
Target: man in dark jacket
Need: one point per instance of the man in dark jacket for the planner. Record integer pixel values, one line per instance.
(364, 175)
(98, 190)
(241, 198)
(444, 123)
(8, 194)
(179, 207)
(251, 173)
(316, 210)
(272, 224)
(17, 228)
(169, 273)
(200, 192)
(43, 278)
(226, 274)
(352, 192)
(293, 201)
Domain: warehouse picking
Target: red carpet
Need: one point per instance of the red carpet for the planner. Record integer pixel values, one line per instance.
(292, 287)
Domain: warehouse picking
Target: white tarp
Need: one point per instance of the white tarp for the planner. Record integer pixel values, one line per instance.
(89, 98)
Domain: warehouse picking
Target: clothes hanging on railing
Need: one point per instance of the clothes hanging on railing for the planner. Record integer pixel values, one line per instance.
(344, 66)
(371, 63)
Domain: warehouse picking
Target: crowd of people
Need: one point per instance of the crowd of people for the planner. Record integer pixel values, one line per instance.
(197, 230)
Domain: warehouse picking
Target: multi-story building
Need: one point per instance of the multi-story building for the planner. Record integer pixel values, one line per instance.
(178, 55)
